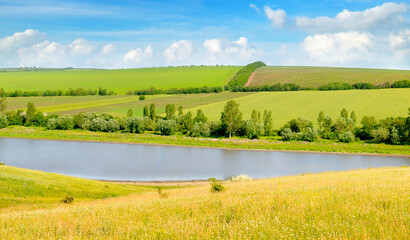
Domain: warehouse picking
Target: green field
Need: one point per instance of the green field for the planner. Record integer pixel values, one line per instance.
(361, 204)
(22, 186)
(121, 80)
(288, 105)
(316, 76)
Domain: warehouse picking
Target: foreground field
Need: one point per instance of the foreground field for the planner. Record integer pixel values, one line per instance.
(364, 204)
(266, 143)
(121, 80)
(22, 186)
(288, 105)
(316, 76)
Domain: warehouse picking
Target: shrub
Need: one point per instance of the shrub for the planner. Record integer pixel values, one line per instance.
(2, 164)
(346, 137)
(141, 98)
(240, 178)
(3, 121)
(52, 124)
(309, 134)
(287, 134)
(380, 135)
(68, 199)
(113, 125)
(64, 122)
(253, 130)
(200, 129)
(216, 185)
(167, 127)
(161, 193)
(98, 124)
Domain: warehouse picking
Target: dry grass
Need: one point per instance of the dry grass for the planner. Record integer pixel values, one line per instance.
(365, 204)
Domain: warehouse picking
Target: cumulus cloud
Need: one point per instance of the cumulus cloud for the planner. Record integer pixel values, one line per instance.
(400, 40)
(278, 17)
(339, 48)
(137, 56)
(109, 48)
(384, 16)
(179, 52)
(48, 53)
(82, 47)
(223, 51)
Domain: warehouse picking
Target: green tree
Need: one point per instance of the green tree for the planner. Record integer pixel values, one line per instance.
(188, 122)
(130, 113)
(200, 117)
(344, 113)
(180, 111)
(31, 112)
(145, 111)
(353, 117)
(152, 111)
(170, 111)
(3, 100)
(256, 116)
(231, 117)
(267, 122)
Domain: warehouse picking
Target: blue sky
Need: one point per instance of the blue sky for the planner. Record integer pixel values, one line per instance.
(122, 34)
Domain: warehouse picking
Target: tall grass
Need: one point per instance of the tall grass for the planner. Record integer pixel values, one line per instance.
(365, 204)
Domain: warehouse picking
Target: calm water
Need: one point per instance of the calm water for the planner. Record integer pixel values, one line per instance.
(146, 163)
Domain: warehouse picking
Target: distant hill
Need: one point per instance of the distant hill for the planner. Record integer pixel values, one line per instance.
(313, 77)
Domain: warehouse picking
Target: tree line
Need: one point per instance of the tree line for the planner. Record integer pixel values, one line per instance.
(59, 92)
(154, 91)
(392, 130)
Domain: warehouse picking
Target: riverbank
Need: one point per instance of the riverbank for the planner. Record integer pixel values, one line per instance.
(268, 144)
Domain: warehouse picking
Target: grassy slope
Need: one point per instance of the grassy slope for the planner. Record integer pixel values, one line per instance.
(364, 204)
(120, 81)
(117, 105)
(287, 105)
(21, 186)
(316, 76)
(266, 143)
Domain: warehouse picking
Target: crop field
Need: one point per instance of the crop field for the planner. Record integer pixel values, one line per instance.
(316, 76)
(288, 105)
(361, 204)
(119, 104)
(121, 80)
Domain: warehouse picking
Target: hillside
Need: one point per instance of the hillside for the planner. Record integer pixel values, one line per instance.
(316, 76)
(23, 186)
(363, 204)
(121, 80)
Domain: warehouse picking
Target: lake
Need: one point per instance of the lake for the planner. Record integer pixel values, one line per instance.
(110, 161)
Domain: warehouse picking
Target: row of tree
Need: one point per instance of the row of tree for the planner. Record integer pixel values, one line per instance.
(59, 92)
(390, 130)
(154, 91)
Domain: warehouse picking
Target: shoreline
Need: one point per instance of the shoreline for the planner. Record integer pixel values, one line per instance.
(209, 147)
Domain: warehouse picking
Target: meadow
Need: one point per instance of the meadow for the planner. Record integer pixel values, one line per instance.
(361, 204)
(379, 103)
(120, 80)
(312, 77)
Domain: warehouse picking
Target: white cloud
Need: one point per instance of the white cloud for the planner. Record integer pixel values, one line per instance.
(109, 48)
(138, 56)
(380, 17)
(400, 40)
(51, 54)
(223, 51)
(179, 52)
(277, 17)
(254, 7)
(82, 47)
(20, 39)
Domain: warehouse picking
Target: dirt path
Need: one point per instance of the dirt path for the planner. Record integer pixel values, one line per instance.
(250, 79)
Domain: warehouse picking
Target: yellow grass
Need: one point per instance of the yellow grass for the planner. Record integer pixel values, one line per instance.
(365, 204)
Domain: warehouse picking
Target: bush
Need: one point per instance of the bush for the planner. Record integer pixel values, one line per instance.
(142, 98)
(98, 124)
(167, 127)
(287, 134)
(334, 86)
(64, 122)
(68, 199)
(309, 134)
(380, 135)
(253, 130)
(346, 137)
(3, 121)
(216, 185)
(113, 125)
(200, 129)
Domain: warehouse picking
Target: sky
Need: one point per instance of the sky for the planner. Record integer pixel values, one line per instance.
(133, 34)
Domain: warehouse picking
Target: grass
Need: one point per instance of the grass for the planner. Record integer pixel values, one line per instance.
(316, 76)
(117, 105)
(121, 80)
(288, 105)
(267, 143)
(22, 186)
(362, 204)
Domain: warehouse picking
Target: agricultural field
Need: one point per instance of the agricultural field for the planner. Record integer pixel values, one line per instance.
(314, 77)
(120, 80)
(360, 204)
(288, 105)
